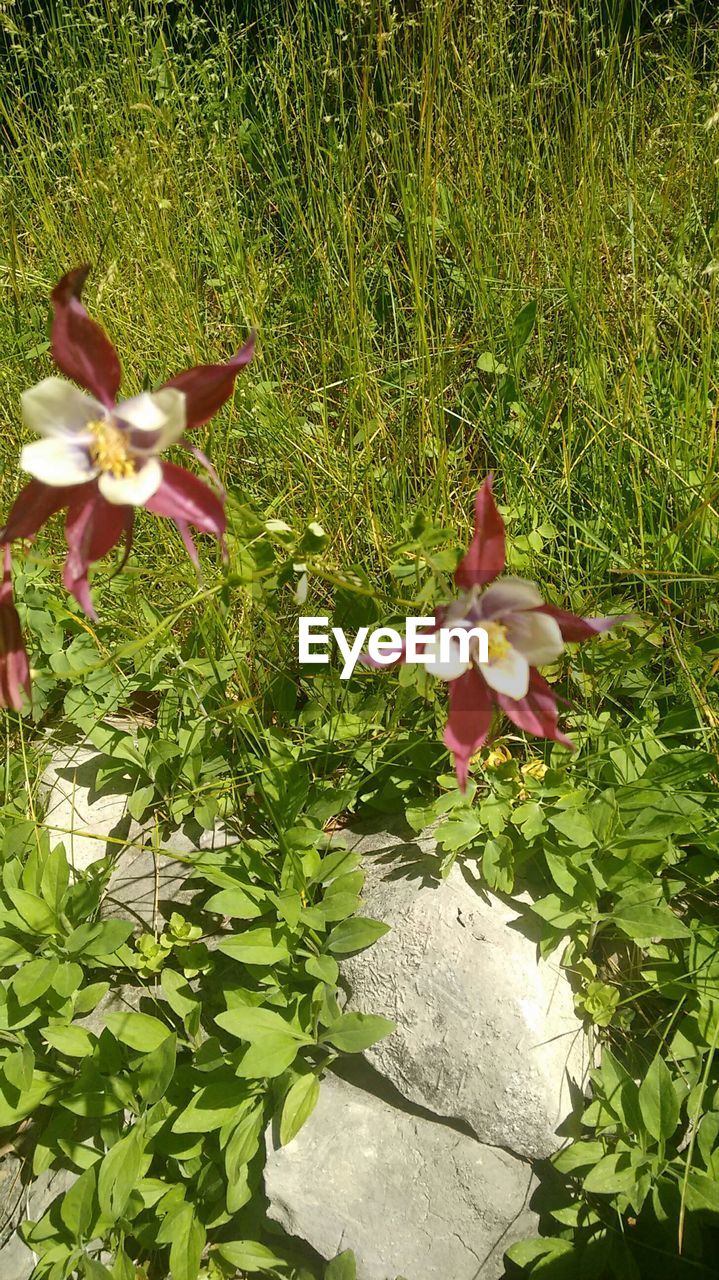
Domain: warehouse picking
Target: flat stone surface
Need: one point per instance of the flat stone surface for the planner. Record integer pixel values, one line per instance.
(91, 821)
(486, 1031)
(412, 1197)
(18, 1202)
(90, 816)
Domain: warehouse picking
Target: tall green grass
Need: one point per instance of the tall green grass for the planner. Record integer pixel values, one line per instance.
(379, 190)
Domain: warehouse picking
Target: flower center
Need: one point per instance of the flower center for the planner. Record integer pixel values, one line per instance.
(109, 451)
(498, 645)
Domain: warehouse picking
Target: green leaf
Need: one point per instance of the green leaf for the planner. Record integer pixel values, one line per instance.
(268, 1056)
(251, 1023)
(459, 830)
(641, 921)
(211, 1107)
(140, 800)
(93, 1269)
(19, 1068)
(354, 1032)
(523, 325)
(702, 1191)
(157, 1069)
(138, 1030)
(37, 914)
(178, 993)
(324, 968)
(498, 864)
(343, 1267)
(118, 1174)
(525, 1252)
(299, 1104)
(33, 979)
(183, 1231)
(248, 1255)
(579, 1155)
(71, 1040)
(244, 1141)
(612, 1174)
(658, 1101)
(101, 938)
(76, 1206)
(256, 946)
(355, 934)
(237, 904)
(575, 826)
(55, 879)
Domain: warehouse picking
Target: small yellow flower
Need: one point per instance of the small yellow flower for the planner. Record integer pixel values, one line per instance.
(534, 769)
(497, 757)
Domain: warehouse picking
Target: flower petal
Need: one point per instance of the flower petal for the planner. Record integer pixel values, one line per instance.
(509, 595)
(32, 507)
(208, 386)
(574, 629)
(485, 558)
(537, 713)
(132, 491)
(470, 715)
(156, 418)
(92, 528)
(14, 665)
(536, 635)
(55, 408)
(508, 675)
(58, 462)
(449, 670)
(79, 346)
(183, 496)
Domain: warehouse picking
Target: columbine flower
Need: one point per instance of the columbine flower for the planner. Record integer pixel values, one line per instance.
(14, 667)
(99, 459)
(523, 633)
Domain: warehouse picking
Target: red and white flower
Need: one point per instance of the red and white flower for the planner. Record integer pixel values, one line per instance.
(523, 633)
(99, 459)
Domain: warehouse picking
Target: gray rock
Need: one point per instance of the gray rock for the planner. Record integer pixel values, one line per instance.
(411, 1197)
(90, 816)
(19, 1202)
(91, 821)
(486, 1031)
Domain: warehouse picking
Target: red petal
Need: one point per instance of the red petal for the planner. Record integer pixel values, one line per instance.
(183, 497)
(208, 386)
(32, 507)
(79, 346)
(92, 528)
(485, 558)
(14, 666)
(575, 629)
(537, 713)
(470, 715)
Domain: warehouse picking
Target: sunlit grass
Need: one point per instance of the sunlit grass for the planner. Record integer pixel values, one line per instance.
(379, 196)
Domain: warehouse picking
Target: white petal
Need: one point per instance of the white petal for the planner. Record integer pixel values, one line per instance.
(507, 596)
(134, 491)
(536, 635)
(58, 461)
(56, 408)
(156, 411)
(450, 670)
(509, 675)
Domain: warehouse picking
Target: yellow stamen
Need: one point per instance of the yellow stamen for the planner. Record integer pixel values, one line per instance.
(109, 450)
(497, 757)
(534, 768)
(498, 645)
